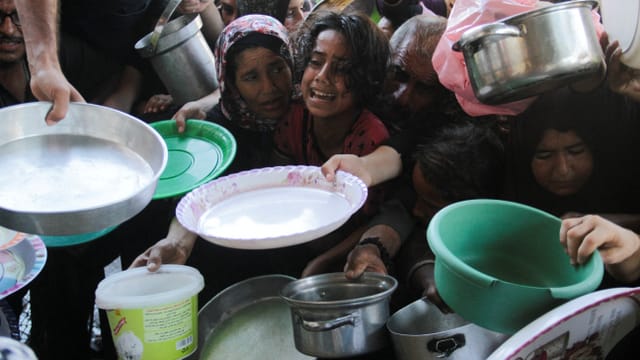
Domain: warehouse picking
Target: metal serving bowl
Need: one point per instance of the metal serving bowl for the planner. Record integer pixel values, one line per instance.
(93, 170)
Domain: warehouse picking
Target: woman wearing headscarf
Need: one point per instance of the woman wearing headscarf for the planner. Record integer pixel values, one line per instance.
(254, 68)
(253, 62)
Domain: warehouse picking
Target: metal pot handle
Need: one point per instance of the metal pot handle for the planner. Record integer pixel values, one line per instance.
(326, 325)
(497, 30)
(444, 347)
(172, 5)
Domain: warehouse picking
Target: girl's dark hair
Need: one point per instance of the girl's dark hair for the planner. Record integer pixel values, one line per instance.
(562, 110)
(463, 161)
(369, 49)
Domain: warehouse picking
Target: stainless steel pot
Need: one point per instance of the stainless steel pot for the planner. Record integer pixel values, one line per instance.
(533, 52)
(181, 58)
(334, 317)
(420, 331)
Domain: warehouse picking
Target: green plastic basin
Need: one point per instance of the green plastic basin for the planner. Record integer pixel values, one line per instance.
(500, 264)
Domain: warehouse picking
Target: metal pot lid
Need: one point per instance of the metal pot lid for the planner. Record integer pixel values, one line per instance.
(334, 290)
(621, 20)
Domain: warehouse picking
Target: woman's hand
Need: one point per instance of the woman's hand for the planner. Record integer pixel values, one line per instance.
(164, 251)
(174, 249)
(195, 109)
(621, 78)
(364, 258)
(190, 110)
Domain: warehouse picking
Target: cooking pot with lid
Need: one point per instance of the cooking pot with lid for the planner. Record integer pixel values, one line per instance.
(336, 317)
(527, 54)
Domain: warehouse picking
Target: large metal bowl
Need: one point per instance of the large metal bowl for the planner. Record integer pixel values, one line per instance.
(93, 170)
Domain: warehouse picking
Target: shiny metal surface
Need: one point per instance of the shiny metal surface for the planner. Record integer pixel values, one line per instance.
(334, 317)
(95, 169)
(182, 59)
(533, 52)
(248, 320)
(420, 331)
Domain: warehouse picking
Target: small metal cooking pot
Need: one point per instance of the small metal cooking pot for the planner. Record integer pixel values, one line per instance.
(335, 317)
(420, 331)
(527, 54)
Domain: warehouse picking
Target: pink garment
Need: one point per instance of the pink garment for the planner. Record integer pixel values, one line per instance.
(450, 64)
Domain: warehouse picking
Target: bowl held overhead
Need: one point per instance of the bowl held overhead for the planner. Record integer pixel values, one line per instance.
(533, 52)
(93, 170)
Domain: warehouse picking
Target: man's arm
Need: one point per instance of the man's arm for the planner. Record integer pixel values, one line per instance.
(39, 20)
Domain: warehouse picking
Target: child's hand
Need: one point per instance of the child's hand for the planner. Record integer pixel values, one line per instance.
(583, 235)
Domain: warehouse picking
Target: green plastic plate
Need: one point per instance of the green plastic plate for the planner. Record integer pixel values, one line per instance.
(200, 154)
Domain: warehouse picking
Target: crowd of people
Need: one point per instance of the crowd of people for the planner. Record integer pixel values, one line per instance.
(344, 88)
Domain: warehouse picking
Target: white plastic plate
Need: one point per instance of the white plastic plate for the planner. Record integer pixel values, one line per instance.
(587, 327)
(271, 207)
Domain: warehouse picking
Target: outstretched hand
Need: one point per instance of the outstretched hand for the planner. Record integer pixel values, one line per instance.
(346, 162)
(49, 84)
(164, 251)
(621, 78)
(581, 236)
(364, 258)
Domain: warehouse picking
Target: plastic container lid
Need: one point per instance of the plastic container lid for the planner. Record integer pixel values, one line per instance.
(139, 288)
(200, 154)
(621, 20)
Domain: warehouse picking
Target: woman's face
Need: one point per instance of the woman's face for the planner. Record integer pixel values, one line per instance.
(295, 15)
(263, 80)
(324, 82)
(562, 162)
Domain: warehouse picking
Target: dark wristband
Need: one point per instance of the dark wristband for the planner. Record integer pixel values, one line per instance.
(384, 254)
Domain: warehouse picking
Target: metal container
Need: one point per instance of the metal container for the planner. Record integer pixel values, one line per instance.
(93, 170)
(527, 54)
(182, 59)
(249, 321)
(420, 331)
(335, 317)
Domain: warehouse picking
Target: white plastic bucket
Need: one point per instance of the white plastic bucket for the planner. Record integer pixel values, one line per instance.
(152, 315)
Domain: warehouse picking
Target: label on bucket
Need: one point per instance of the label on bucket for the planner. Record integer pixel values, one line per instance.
(161, 332)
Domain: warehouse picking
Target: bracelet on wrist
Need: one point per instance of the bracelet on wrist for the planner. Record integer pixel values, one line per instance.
(384, 254)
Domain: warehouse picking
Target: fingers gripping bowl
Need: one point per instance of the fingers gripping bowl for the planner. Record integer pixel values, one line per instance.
(500, 265)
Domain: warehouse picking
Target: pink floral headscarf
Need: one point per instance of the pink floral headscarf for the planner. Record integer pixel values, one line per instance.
(233, 106)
